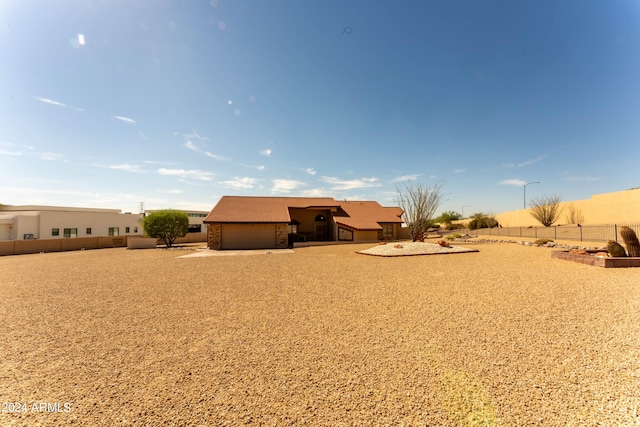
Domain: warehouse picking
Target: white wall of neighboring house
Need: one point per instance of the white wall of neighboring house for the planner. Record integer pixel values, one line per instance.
(40, 222)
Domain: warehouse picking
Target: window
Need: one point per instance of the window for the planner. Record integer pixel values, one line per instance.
(195, 228)
(114, 231)
(88, 231)
(55, 231)
(293, 227)
(126, 230)
(387, 231)
(135, 229)
(70, 232)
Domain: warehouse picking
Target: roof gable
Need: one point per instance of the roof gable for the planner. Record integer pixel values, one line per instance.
(263, 209)
(366, 215)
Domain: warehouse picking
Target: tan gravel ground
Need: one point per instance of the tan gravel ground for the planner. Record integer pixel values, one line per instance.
(323, 336)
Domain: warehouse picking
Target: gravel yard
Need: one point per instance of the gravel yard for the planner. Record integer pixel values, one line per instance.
(321, 336)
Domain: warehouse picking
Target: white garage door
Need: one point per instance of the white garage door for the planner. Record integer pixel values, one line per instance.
(248, 236)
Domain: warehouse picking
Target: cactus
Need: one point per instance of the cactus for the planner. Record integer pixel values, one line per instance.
(630, 241)
(616, 249)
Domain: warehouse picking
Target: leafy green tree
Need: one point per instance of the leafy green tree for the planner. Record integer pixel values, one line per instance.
(546, 209)
(447, 217)
(166, 225)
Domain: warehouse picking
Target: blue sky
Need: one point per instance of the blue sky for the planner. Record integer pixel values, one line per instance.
(177, 103)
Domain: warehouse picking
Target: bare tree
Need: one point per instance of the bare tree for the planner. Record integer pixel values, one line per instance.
(419, 203)
(574, 216)
(546, 209)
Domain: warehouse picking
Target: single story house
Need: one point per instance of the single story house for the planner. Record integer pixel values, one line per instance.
(239, 222)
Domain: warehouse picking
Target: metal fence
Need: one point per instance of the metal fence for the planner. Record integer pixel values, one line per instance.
(588, 233)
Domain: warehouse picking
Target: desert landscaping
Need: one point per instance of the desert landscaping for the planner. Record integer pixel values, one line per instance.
(320, 335)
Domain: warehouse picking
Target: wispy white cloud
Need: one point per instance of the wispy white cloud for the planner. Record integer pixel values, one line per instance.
(459, 170)
(404, 178)
(193, 147)
(514, 181)
(10, 153)
(156, 162)
(266, 152)
(127, 168)
(170, 191)
(260, 167)
(286, 185)
(30, 152)
(215, 156)
(240, 183)
(532, 161)
(507, 165)
(315, 192)
(126, 120)
(195, 135)
(310, 171)
(189, 174)
(344, 184)
(79, 198)
(56, 103)
(50, 156)
(583, 178)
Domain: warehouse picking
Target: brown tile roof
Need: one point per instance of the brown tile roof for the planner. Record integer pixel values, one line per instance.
(263, 209)
(366, 215)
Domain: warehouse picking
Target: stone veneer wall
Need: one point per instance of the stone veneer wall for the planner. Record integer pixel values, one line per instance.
(282, 236)
(214, 231)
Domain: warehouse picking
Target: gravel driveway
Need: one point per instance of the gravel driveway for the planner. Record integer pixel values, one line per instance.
(323, 336)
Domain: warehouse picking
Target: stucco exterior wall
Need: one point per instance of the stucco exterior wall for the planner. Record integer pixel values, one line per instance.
(365, 236)
(621, 207)
(18, 247)
(40, 223)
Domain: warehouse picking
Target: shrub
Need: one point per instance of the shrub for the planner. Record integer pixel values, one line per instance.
(542, 241)
(546, 209)
(480, 220)
(453, 236)
(453, 226)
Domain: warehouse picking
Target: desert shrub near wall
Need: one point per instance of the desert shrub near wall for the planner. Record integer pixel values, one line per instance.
(453, 226)
(542, 241)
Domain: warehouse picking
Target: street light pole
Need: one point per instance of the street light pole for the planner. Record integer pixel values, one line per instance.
(524, 192)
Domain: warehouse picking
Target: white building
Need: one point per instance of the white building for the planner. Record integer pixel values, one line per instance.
(56, 222)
